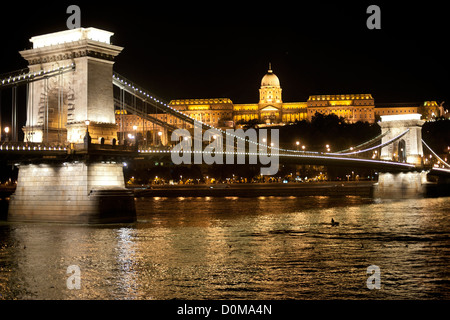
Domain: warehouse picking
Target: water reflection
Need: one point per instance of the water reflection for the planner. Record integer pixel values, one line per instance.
(237, 248)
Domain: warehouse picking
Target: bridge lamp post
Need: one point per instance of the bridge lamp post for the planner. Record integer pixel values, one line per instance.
(303, 148)
(87, 138)
(298, 145)
(7, 134)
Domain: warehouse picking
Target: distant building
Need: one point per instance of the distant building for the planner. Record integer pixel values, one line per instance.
(351, 107)
(272, 110)
(215, 112)
(428, 109)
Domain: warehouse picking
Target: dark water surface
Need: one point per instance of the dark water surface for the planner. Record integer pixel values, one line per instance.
(238, 248)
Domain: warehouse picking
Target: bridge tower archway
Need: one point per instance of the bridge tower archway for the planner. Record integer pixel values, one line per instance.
(401, 151)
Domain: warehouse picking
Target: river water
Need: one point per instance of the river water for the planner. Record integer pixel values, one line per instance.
(237, 248)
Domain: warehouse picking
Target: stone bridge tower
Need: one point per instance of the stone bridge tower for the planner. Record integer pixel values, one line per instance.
(59, 106)
(408, 148)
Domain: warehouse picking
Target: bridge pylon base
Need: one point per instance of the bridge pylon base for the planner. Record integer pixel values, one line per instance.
(76, 192)
(401, 185)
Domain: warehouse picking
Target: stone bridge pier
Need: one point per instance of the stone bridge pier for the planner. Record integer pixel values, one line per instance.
(72, 108)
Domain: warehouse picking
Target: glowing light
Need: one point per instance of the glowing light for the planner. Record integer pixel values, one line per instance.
(396, 117)
(71, 36)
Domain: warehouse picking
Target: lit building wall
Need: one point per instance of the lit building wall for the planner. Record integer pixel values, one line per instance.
(271, 110)
(351, 107)
(215, 112)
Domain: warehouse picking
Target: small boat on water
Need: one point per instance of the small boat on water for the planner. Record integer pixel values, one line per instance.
(334, 223)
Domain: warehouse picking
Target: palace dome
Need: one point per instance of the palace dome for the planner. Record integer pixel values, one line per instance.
(270, 79)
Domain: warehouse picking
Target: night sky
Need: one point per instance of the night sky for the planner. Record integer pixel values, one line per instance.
(221, 49)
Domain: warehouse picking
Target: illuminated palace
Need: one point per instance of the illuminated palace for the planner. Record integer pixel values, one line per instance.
(272, 110)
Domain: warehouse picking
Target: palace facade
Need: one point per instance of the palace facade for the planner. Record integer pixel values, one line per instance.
(272, 110)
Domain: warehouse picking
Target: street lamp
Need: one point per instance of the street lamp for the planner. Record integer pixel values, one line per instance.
(297, 144)
(87, 137)
(7, 134)
(87, 123)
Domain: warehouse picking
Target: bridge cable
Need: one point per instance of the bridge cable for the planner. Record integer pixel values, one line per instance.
(376, 147)
(15, 79)
(434, 153)
(364, 143)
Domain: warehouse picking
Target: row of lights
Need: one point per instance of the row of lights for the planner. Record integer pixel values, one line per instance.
(192, 152)
(137, 90)
(29, 75)
(204, 152)
(24, 148)
(266, 154)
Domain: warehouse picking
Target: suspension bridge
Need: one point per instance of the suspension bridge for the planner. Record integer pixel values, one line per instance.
(71, 158)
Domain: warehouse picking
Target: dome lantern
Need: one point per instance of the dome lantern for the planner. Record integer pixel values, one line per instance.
(270, 79)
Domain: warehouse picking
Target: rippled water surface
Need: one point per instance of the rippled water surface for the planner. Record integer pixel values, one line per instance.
(238, 248)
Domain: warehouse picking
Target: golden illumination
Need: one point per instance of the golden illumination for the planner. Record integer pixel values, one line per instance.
(71, 36)
(341, 103)
(194, 108)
